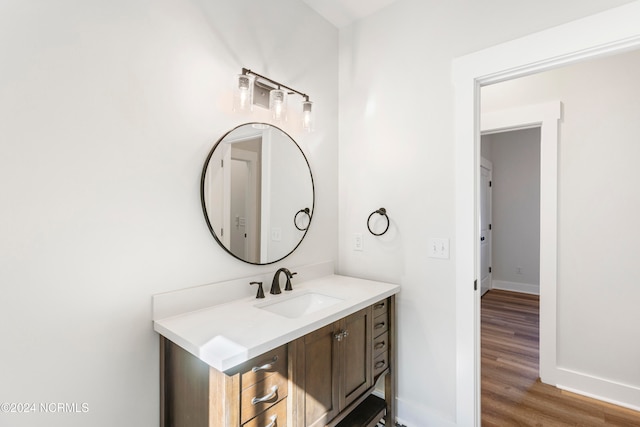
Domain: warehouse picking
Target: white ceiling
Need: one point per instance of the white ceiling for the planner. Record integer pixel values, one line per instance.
(343, 12)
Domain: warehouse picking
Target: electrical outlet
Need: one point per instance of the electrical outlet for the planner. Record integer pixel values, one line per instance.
(276, 234)
(518, 270)
(438, 248)
(357, 242)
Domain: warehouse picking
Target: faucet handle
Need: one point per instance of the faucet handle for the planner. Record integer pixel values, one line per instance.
(287, 286)
(260, 293)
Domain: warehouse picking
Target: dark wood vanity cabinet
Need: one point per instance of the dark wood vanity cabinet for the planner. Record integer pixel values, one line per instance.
(332, 368)
(324, 378)
(194, 394)
(380, 338)
(336, 367)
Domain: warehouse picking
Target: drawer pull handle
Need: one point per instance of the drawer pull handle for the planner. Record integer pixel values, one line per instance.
(340, 335)
(266, 366)
(378, 306)
(273, 421)
(380, 364)
(379, 345)
(256, 400)
(379, 325)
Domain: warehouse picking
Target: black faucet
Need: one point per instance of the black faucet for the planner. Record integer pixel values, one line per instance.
(275, 284)
(260, 293)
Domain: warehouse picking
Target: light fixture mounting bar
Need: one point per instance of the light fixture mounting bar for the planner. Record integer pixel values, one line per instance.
(247, 71)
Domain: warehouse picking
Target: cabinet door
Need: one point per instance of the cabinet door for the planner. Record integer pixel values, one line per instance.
(356, 372)
(316, 366)
(184, 388)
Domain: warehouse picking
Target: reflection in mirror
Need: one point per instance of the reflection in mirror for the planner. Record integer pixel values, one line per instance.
(257, 193)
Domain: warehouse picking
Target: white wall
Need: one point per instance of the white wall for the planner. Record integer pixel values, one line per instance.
(515, 234)
(290, 191)
(397, 151)
(107, 112)
(598, 202)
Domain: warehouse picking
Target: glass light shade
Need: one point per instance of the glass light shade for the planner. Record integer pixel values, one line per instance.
(243, 95)
(278, 104)
(307, 116)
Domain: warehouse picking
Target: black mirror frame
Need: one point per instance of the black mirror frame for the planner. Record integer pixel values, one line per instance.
(204, 207)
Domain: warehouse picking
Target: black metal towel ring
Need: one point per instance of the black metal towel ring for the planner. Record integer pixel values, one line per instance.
(383, 212)
(295, 218)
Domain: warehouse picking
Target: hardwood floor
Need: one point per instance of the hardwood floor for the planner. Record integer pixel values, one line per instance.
(512, 394)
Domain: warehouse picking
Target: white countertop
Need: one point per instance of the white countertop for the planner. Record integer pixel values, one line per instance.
(229, 334)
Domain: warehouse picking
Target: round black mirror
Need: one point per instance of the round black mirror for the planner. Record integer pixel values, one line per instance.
(257, 193)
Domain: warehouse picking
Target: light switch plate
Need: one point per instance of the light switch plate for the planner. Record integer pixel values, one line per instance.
(357, 242)
(438, 247)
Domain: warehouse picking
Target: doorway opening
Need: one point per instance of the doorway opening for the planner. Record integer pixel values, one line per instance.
(566, 44)
(509, 269)
(539, 124)
(510, 210)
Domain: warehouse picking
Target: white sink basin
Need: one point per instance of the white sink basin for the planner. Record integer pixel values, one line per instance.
(300, 305)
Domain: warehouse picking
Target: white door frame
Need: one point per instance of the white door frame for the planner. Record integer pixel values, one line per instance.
(486, 164)
(609, 32)
(251, 224)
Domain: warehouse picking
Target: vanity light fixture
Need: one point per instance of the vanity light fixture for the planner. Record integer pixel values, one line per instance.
(307, 116)
(278, 104)
(243, 96)
(253, 88)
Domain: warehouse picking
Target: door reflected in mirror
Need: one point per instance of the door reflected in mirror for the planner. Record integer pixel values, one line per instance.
(257, 193)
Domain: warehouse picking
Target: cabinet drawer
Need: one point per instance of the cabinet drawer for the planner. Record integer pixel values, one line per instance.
(380, 307)
(380, 344)
(276, 416)
(380, 325)
(262, 395)
(380, 363)
(261, 367)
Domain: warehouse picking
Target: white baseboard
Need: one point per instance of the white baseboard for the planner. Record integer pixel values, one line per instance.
(380, 393)
(617, 393)
(526, 288)
(412, 415)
